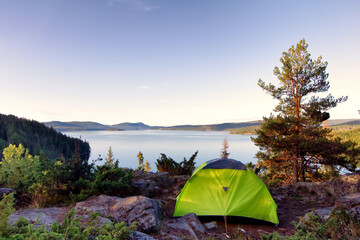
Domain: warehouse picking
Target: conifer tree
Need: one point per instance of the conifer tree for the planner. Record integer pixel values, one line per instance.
(110, 159)
(293, 143)
(140, 158)
(224, 153)
(147, 167)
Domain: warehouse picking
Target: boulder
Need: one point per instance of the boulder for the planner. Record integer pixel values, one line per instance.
(179, 227)
(194, 223)
(147, 212)
(187, 226)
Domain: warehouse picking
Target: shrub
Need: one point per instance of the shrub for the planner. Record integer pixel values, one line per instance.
(18, 168)
(167, 164)
(339, 225)
(41, 181)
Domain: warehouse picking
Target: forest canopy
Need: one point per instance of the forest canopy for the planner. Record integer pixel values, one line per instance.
(38, 138)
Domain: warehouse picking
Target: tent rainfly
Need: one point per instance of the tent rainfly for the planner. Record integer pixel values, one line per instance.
(226, 187)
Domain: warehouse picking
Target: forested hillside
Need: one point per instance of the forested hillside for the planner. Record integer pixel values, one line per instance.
(38, 138)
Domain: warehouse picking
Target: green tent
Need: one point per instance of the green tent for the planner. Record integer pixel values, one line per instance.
(226, 187)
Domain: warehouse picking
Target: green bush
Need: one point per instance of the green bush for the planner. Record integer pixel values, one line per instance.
(40, 181)
(167, 164)
(18, 168)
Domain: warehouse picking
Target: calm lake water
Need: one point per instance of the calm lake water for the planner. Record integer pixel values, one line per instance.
(175, 144)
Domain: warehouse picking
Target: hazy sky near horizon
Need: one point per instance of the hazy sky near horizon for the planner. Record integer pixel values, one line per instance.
(166, 62)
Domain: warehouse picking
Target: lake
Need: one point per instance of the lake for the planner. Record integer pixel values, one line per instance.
(175, 144)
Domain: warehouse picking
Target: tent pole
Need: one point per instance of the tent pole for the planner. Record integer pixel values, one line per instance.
(225, 219)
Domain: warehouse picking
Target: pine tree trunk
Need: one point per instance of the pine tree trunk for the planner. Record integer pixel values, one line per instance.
(302, 170)
(295, 167)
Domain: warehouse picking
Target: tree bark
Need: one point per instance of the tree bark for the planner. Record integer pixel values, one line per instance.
(295, 167)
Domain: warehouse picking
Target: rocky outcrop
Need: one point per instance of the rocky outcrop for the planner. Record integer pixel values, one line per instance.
(150, 184)
(334, 189)
(147, 212)
(39, 217)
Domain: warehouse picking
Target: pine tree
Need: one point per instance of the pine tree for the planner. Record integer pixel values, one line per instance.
(224, 153)
(293, 143)
(147, 167)
(110, 159)
(140, 158)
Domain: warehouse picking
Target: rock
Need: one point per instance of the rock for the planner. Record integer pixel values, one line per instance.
(140, 236)
(147, 212)
(180, 228)
(194, 223)
(242, 230)
(186, 226)
(323, 213)
(6, 191)
(348, 201)
(278, 198)
(355, 212)
(144, 187)
(163, 179)
(39, 217)
(335, 189)
(211, 225)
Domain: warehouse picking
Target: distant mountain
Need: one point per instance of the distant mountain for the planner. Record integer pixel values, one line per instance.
(77, 126)
(211, 127)
(338, 122)
(93, 126)
(131, 126)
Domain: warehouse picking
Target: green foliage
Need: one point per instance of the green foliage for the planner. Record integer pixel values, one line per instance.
(293, 144)
(253, 167)
(167, 164)
(353, 134)
(6, 209)
(111, 180)
(38, 138)
(41, 181)
(18, 168)
(339, 225)
(70, 228)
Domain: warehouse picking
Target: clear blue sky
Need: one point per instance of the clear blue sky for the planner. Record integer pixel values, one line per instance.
(166, 62)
